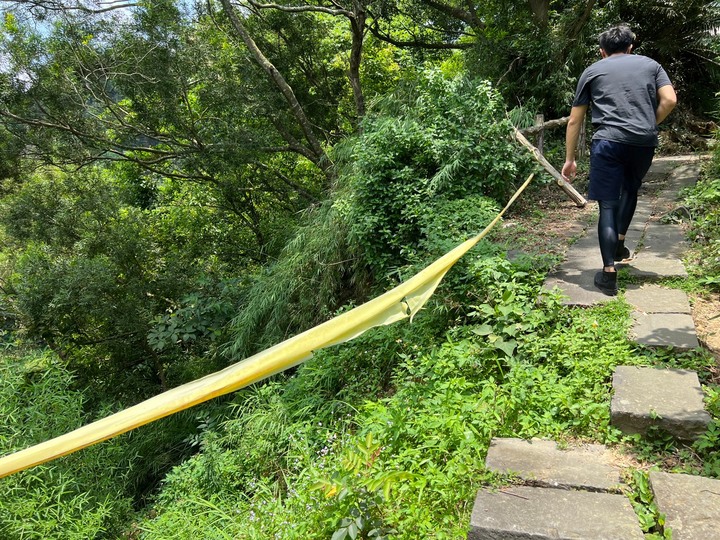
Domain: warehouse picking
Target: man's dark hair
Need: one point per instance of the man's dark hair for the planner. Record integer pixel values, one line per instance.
(617, 39)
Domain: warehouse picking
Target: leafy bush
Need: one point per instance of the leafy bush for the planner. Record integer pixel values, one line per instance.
(105, 283)
(85, 495)
(435, 141)
(703, 204)
(434, 154)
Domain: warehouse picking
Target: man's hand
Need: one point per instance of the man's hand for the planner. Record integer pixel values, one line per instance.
(569, 170)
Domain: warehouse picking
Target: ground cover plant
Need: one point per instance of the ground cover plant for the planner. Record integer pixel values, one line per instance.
(185, 183)
(84, 496)
(408, 464)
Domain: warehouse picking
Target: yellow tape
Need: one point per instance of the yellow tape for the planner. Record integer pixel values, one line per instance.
(403, 301)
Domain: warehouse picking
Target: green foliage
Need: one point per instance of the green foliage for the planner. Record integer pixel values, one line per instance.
(132, 270)
(436, 141)
(308, 458)
(706, 446)
(532, 58)
(117, 287)
(448, 223)
(87, 495)
(359, 492)
(703, 204)
(82, 276)
(316, 273)
(652, 521)
(412, 186)
(682, 37)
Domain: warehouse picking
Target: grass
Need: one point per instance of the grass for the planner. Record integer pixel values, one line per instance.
(386, 436)
(406, 462)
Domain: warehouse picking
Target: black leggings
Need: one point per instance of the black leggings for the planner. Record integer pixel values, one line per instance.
(615, 218)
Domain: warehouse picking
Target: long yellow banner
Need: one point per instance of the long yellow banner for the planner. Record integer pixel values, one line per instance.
(403, 301)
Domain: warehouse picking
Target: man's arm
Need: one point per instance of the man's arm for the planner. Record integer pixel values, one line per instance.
(577, 117)
(667, 99)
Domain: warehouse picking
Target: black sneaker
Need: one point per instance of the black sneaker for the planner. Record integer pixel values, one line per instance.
(621, 253)
(607, 282)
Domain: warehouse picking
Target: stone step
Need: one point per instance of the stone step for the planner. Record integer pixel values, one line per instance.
(542, 463)
(662, 317)
(649, 298)
(523, 512)
(691, 505)
(670, 399)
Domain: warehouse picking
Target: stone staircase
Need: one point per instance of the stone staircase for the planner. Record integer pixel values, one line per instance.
(578, 492)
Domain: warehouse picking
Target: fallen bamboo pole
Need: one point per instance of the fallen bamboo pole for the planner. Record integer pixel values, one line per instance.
(545, 125)
(564, 184)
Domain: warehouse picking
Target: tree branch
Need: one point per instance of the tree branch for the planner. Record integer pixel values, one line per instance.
(60, 6)
(302, 9)
(375, 31)
(467, 16)
(320, 158)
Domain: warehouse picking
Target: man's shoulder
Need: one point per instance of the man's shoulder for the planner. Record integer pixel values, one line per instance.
(639, 58)
(623, 58)
(622, 63)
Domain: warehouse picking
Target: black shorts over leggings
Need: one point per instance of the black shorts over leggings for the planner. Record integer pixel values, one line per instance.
(616, 174)
(616, 167)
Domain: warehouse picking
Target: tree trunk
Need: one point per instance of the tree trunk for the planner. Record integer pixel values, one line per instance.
(357, 24)
(320, 157)
(580, 22)
(541, 11)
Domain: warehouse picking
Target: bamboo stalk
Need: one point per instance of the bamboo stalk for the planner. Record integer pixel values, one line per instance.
(564, 184)
(545, 125)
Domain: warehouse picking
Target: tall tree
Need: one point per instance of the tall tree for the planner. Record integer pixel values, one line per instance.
(315, 153)
(160, 93)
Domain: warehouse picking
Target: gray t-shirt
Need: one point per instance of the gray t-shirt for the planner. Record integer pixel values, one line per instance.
(623, 92)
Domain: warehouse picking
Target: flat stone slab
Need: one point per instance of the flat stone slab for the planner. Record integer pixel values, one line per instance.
(664, 330)
(670, 399)
(663, 240)
(651, 298)
(649, 265)
(673, 161)
(574, 277)
(691, 505)
(523, 513)
(577, 294)
(539, 461)
(684, 176)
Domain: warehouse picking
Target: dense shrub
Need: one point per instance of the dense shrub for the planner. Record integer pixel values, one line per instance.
(424, 173)
(436, 140)
(703, 204)
(84, 495)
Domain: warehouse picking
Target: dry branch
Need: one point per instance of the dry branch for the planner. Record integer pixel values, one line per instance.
(546, 125)
(564, 184)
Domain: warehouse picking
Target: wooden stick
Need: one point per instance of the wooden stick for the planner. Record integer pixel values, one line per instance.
(545, 125)
(564, 184)
(540, 138)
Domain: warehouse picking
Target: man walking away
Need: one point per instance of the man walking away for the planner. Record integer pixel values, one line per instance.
(630, 95)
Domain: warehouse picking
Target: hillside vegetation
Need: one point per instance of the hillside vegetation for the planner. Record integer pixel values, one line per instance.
(185, 185)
